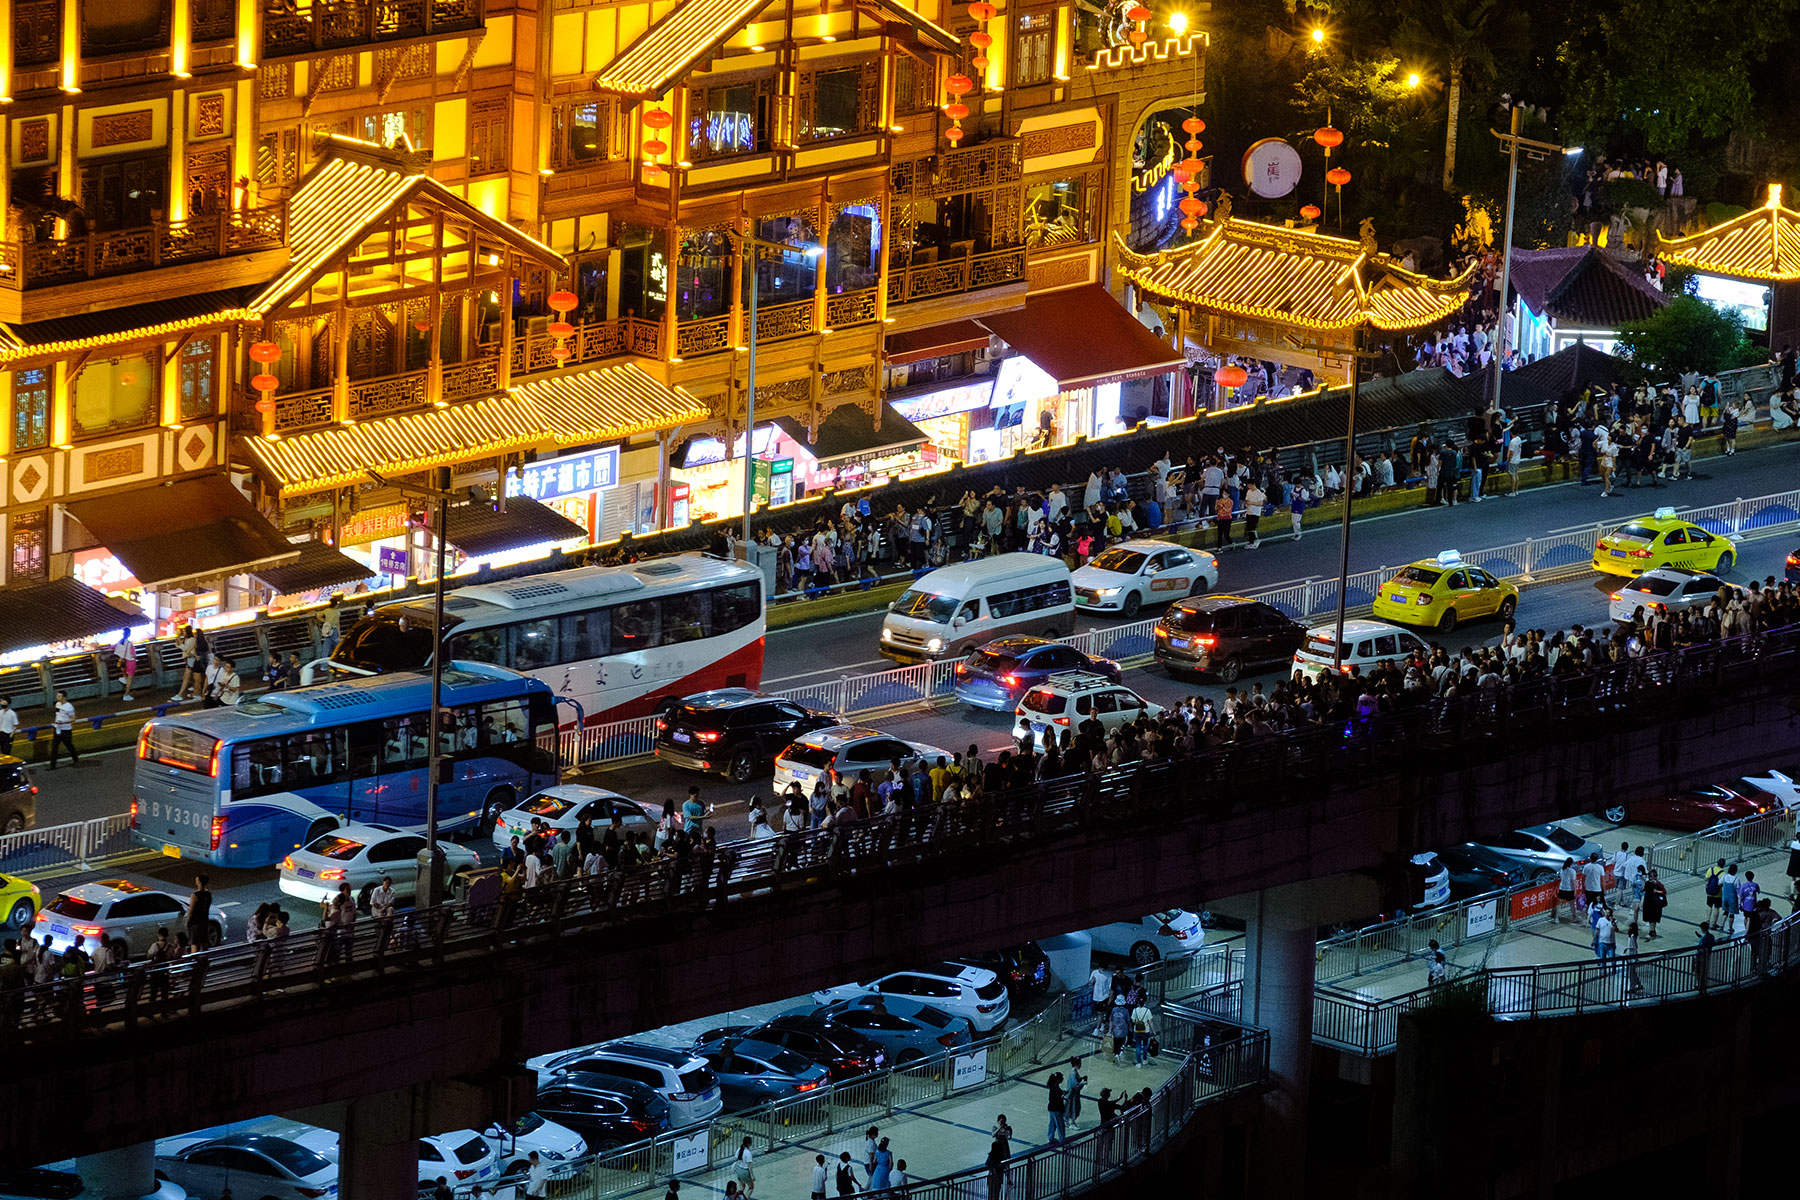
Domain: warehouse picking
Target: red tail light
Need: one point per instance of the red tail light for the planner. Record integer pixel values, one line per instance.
(1010, 680)
(985, 1007)
(806, 1087)
(1794, 560)
(218, 823)
(962, 668)
(463, 1174)
(287, 864)
(134, 810)
(948, 1041)
(709, 737)
(661, 724)
(333, 873)
(1615, 595)
(92, 931)
(1640, 554)
(641, 1126)
(1206, 639)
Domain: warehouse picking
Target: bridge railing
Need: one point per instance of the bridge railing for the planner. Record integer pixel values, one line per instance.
(76, 844)
(1210, 784)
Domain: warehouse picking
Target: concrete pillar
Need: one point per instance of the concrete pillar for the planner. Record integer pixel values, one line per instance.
(378, 1158)
(122, 1174)
(1278, 995)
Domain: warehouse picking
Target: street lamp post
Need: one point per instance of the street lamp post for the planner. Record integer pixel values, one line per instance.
(1538, 151)
(1343, 597)
(754, 245)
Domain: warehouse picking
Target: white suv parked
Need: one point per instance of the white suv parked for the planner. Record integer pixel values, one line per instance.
(974, 993)
(682, 1078)
(1065, 700)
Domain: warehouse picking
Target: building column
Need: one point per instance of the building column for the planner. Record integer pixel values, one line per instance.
(121, 1174)
(1278, 996)
(378, 1155)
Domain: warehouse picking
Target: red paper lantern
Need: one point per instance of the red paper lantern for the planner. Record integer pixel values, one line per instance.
(559, 352)
(981, 39)
(657, 118)
(562, 302)
(265, 352)
(1194, 144)
(1194, 167)
(1311, 212)
(1137, 37)
(979, 62)
(1189, 224)
(1137, 12)
(1193, 125)
(956, 111)
(422, 326)
(265, 383)
(1337, 176)
(1193, 206)
(1180, 173)
(559, 329)
(1328, 137)
(1230, 375)
(959, 84)
(265, 405)
(954, 133)
(981, 10)
(656, 149)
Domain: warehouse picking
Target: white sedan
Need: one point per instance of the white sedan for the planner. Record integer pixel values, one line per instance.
(1143, 571)
(1778, 784)
(565, 805)
(558, 1147)
(1667, 590)
(851, 750)
(1168, 934)
(360, 855)
(462, 1157)
(246, 1164)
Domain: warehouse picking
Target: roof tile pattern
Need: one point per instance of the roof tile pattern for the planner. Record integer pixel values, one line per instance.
(608, 402)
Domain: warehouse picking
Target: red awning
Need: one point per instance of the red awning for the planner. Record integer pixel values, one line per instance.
(1082, 337)
(952, 338)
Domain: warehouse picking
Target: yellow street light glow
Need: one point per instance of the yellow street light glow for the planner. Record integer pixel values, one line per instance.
(1318, 35)
(1412, 80)
(1178, 22)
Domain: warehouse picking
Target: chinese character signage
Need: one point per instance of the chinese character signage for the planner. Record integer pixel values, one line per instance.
(372, 525)
(1272, 168)
(571, 475)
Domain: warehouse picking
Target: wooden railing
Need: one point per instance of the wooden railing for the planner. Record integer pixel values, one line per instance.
(119, 251)
(777, 321)
(969, 273)
(384, 395)
(333, 23)
(594, 341)
(846, 309)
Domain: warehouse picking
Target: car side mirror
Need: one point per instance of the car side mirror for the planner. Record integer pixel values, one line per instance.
(958, 622)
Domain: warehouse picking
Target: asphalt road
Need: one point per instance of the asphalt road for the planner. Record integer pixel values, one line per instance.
(102, 785)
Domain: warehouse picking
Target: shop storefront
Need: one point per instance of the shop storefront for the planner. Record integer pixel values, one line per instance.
(951, 418)
(706, 480)
(849, 450)
(579, 486)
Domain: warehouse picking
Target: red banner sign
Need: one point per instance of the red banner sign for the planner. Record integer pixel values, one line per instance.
(1535, 900)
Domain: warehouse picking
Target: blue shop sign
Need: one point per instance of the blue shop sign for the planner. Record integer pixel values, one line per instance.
(569, 476)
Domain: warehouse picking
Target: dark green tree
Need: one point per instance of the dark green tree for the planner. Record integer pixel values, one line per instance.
(1688, 334)
(1467, 39)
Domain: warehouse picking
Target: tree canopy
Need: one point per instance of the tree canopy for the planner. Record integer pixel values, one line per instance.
(1688, 334)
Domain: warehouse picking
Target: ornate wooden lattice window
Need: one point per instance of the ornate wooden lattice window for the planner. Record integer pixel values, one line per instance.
(915, 86)
(118, 26)
(213, 20)
(37, 32)
(582, 132)
(1064, 212)
(840, 101)
(209, 178)
(278, 158)
(275, 81)
(199, 379)
(1034, 48)
(487, 136)
(30, 541)
(335, 74)
(31, 408)
(730, 118)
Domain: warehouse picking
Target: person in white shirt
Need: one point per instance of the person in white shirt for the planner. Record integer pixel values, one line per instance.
(1055, 503)
(819, 1176)
(534, 867)
(230, 686)
(63, 723)
(9, 725)
(383, 899)
(537, 1178)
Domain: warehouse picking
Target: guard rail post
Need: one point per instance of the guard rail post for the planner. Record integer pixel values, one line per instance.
(1737, 515)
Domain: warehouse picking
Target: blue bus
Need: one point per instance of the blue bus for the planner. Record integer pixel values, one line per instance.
(244, 786)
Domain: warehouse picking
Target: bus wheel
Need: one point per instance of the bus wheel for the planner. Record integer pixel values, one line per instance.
(498, 801)
(319, 829)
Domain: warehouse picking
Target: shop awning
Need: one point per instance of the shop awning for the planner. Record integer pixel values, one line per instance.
(607, 403)
(319, 566)
(1082, 337)
(702, 450)
(954, 337)
(196, 531)
(848, 435)
(63, 610)
(478, 531)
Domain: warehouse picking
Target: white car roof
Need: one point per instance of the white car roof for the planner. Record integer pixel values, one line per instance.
(111, 889)
(836, 737)
(1070, 683)
(573, 791)
(1669, 573)
(1354, 629)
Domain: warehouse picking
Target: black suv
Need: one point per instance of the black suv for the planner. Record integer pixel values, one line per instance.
(18, 796)
(1224, 635)
(734, 731)
(1024, 968)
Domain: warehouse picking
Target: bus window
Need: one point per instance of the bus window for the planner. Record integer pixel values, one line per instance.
(734, 607)
(256, 768)
(503, 722)
(483, 645)
(683, 618)
(533, 644)
(314, 757)
(584, 636)
(403, 741)
(634, 626)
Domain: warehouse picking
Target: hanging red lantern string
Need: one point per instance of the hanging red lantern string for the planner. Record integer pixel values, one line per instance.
(981, 12)
(958, 85)
(655, 120)
(1138, 15)
(1337, 177)
(265, 383)
(561, 302)
(1311, 212)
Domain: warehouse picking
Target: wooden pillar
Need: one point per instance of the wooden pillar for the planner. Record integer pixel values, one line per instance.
(503, 369)
(819, 263)
(742, 259)
(340, 351)
(671, 253)
(178, 176)
(886, 209)
(434, 370)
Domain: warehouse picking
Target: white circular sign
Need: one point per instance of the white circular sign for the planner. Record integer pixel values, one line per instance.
(1272, 168)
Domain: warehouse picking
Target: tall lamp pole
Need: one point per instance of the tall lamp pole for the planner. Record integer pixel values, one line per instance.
(754, 247)
(430, 889)
(1537, 151)
(1343, 597)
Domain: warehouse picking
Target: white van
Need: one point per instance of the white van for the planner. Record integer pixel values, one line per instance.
(951, 610)
(1367, 644)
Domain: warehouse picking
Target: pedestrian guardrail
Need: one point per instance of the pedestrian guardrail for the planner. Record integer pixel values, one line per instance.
(79, 844)
(1748, 842)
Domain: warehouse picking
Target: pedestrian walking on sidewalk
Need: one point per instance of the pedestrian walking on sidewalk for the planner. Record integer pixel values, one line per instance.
(1072, 1097)
(62, 722)
(1436, 966)
(1056, 1108)
(1656, 899)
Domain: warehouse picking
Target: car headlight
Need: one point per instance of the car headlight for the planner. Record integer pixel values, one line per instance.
(935, 644)
(553, 1155)
(1112, 591)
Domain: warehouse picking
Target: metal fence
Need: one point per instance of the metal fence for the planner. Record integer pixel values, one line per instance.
(78, 844)
(1479, 918)
(1749, 842)
(1201, 787)
(1371, 1027)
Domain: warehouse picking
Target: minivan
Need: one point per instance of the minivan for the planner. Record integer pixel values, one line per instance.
(948, 611)
(1367, 644)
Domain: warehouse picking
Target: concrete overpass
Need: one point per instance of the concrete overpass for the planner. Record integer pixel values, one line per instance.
(1278, 830)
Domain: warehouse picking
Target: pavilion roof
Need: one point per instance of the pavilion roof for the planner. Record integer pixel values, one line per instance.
(1763, 244)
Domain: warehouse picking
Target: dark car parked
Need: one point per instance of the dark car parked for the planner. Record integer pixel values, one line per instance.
(1475, 869)
(1225, 636)
(605, 1110)
(18, 796)
(733, 731)
(1024, 968)
(842, 1051)
(755, 1072)
(996, 675)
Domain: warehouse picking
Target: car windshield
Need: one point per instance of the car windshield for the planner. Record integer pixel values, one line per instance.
(993, 660)
(526, 1124)
(1423, 576)
(809, 756)
(926, 605)
(333, 846)
(1654, 586)
(546, 805)
(1188, 620)
(698, 1080)
(294, 1159)
(1635, 533)
(1045, 701)
(706, 718)
(1564, 838)
(387, 642)
(12, 775)
(1125, 562)
(1171, 917)
(69, 906)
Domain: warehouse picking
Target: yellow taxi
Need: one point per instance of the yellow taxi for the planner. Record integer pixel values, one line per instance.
(19, 902)
(1663, 540)
(1442, 592)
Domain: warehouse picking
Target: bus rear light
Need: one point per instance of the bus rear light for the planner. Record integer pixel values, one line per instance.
(218, 823)
(134, 810)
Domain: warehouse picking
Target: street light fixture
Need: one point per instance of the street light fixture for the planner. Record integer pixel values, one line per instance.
(757, 247)
(1412, 79)
(1538, 151)
(1318, 36)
